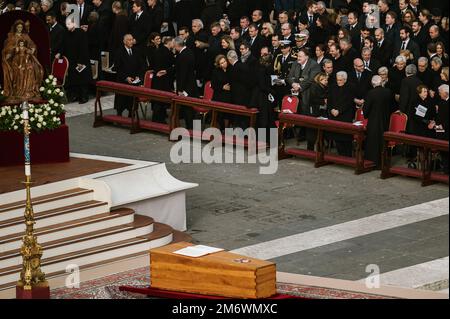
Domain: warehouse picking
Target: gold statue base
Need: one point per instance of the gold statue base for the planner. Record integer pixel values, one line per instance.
(38, 291)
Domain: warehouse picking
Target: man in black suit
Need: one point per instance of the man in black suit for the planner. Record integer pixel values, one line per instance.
(139, 25)
(383, 48)
(256, 41)
(84, 9)
(407, 43)
(240, 93)
(354, 28)
(371, 64)
(391, 27)
(257, 19)
(360, 78)
(56, 34)
(185, 77)
(244, 23)
(310, 13)
(129, 65)
(163, 76)
(419, 36)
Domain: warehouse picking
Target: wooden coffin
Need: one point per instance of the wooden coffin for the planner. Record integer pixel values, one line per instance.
(220, 274)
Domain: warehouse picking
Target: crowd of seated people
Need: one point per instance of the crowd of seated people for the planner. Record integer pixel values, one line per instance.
(337, 56)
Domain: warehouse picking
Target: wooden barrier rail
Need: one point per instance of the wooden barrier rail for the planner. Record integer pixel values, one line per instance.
(215, 108)
(320, 156)
(426, 147)
(136, 92)
(170, 98)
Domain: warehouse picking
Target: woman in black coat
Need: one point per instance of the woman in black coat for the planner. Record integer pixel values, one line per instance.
(317, 104)
(154, 42)
(263, 95)
(220, 83)
(422, 118)
(119, 29)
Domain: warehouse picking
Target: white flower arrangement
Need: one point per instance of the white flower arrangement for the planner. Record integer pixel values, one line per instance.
(44, 116)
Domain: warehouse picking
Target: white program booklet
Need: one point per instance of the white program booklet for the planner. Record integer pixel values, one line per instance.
(421, 110)
(197, 251)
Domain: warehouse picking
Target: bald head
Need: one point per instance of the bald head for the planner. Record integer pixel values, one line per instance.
(358, 64)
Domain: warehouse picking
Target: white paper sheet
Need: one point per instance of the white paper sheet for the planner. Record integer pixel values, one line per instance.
(197, 251)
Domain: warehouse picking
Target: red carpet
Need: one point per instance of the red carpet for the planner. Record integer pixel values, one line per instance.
(158, 293)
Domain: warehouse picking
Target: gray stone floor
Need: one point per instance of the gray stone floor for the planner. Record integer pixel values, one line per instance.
(234, 206)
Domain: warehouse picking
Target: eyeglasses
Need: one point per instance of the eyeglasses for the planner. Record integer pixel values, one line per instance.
(359, 66)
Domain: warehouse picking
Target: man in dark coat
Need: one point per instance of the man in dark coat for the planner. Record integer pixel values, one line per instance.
(383, 48)
(360, 78)
(105, 20)
(341, 108)
(185, 77)
(407, 43)
(163, 76)
(240, 93)
(84, 9)
(129, 65)
(56, 34)
(139, 25)
(408, 92)
(256, 41)
(76, 49)
(155, 15)
(377, 108)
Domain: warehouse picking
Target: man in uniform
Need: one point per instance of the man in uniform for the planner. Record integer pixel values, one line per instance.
(301, 42)
(282, 66)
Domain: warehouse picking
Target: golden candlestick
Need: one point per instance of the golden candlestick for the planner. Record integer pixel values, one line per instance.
(31, 276)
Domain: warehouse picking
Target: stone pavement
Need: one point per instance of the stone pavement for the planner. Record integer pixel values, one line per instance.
(235, 206)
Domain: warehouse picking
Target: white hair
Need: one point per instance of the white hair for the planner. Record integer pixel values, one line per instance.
(342, 74)
(48, 3)
(321, 4)
(383, 69)
(232, 56)
(199, 22)
(437, 60)
(411, 69)
(179, 41)
(444, 88)
(377, 81)
(400, 59)
(423, 59)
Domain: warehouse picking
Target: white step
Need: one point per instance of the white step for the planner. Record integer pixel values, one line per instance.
(56, 216)
(87, 259)
(78, 227)
(47, 202)
(75, 244)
